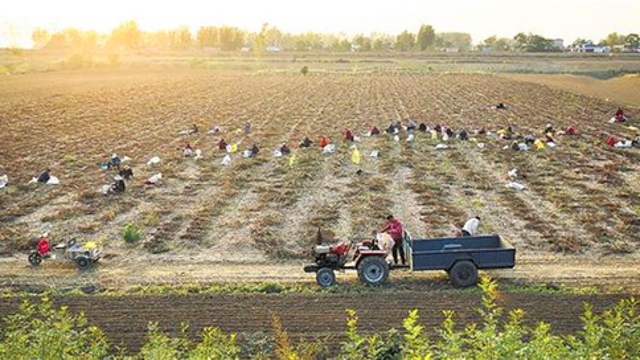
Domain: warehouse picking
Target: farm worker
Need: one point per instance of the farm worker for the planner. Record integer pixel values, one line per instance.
(548, 129)
(411, 125)
(619, 117)
(254, 151)
(348, 135)
(392, 128)
(114, 162)
(44, 176)
(188, 150)
(396, 231)
(118, 186)
(324, 142)
(222, 145)
(355, 156)
(126, 172)
(422, 127)
(539, 144)
(470, 227)
(306, 142)
(570, 131)
(233, 148)
(43, 245)
(611, 140)
(292, 160)
(246, 128)
(284, 149)
(500, 106)
(374, 131)
(463, 135)
(548, 138)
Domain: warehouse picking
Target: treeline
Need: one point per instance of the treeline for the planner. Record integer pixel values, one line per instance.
(129, 37)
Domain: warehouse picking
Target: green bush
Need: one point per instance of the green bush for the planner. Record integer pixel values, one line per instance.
(131, 233)
(304, 70)
(38, 331)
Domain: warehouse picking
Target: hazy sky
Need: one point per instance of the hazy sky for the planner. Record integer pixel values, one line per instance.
(567, 19)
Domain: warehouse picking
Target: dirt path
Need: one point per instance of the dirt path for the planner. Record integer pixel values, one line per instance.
(606, 273)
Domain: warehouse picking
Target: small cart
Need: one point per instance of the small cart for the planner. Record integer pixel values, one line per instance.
(69, 250)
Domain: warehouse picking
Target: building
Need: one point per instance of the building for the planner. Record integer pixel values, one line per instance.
(590, 48)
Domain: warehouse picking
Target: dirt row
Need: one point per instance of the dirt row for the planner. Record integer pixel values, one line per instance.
(125, 319)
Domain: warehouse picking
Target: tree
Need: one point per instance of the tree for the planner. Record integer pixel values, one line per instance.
(456, 40)
(208, 36)
(406, 41)
(632, 41)
(231, 38)
(613, 39)
(126, 36)
(362, 43)
(426, 37)
(40, 38)
(180, 38)
(533, 43)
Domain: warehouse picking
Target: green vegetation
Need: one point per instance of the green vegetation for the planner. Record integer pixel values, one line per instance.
(40, 331)
(131, 233)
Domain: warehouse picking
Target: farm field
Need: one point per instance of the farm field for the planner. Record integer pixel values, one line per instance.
(255, 220)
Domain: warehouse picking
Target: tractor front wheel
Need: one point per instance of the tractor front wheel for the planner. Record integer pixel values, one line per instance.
(35, 259)
(325, 277)
(373, 270)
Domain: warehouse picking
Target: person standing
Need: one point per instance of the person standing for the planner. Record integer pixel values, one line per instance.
(396, 231)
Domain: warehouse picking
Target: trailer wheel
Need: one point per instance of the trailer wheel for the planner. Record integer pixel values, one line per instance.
(35, 259)
(463, 274)
(325, 277)
(373, 270)
(83, 262)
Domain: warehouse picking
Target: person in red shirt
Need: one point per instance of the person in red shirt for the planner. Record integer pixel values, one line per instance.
(348, 135)
(396, 231)
(43, 246)
(324, 142)
(222, 145)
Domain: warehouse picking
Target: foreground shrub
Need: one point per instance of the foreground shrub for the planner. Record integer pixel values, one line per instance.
(38, 331)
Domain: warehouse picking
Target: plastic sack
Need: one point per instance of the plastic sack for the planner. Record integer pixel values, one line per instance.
(199, 154)
(374, 153)
(516, 186)
(53, 181)
(396, 138)
(355, 156)
(623, 144)
(227, 160)
(434, 135)
(4, 181)
(539, 144)
(277, 153)
(105, 189)
(441, 147)
(330, 148)
(155, 178)
(410, 138)
(153, 161)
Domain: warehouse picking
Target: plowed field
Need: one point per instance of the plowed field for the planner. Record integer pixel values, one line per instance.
(125, 320)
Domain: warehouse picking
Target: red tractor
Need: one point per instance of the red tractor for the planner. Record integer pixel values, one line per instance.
(368, 259)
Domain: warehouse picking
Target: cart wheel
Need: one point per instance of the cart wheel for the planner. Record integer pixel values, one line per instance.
(373, 270)
(35, 259)
(83, 262)
(463, 274)
(325, 277)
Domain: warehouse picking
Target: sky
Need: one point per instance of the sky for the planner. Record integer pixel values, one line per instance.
(566, 19)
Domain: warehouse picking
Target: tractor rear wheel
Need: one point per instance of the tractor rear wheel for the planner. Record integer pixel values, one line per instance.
(463, 274)
(83, 262)
(325, 277)
(373, 270)
(35, 259)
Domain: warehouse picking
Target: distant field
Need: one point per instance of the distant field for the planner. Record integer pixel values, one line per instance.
(624, 89)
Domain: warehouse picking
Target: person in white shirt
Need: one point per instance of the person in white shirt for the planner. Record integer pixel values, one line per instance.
(470, 227)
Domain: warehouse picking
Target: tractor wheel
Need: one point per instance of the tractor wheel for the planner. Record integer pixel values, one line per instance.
(463, 274)
(373, 270)
(35, 259)
(325, 277)
(83, 262)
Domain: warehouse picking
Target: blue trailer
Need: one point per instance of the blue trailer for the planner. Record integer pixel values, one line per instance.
(460, 257)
